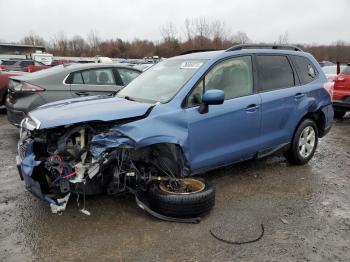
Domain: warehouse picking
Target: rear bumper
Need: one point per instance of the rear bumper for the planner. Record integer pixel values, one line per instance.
(342, 104)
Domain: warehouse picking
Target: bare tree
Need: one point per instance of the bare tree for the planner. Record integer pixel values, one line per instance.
(283, 39)
(169, 32)
(219, 33)
(32, 39)
(189, 29)
(241, 38)
(93, 41)
(59, 42)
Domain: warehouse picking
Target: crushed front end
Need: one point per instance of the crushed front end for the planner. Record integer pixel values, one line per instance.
(82, 159)
(93, 158)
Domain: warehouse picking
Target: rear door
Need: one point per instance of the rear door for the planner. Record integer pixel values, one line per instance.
(281, 95)
(97, 81)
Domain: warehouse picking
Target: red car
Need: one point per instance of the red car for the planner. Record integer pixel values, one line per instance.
(4, 81)
(22, 65)
(341, 93)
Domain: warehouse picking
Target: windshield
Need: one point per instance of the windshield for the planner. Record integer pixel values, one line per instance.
(161, 82)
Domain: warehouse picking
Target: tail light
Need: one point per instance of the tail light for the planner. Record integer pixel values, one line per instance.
(2, 67)
(26, 87)
(339, 79)
(329, 86)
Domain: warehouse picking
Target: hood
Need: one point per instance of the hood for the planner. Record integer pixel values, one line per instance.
(93, 108)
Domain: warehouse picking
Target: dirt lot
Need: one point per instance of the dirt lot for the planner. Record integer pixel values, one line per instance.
(305, 211)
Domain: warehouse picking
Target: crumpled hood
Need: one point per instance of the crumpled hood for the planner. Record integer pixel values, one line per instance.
(93, 108)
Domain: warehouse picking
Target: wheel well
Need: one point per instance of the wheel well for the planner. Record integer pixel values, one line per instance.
(165, 152)
(319, 119)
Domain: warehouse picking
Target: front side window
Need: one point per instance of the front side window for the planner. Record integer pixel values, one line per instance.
(127, 75)
(274, 72)
(161, 82)
(233, 76)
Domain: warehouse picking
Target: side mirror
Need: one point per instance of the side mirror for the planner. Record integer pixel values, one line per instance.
(211, 97)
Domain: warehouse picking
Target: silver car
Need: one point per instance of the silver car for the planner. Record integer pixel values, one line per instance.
(29, 91)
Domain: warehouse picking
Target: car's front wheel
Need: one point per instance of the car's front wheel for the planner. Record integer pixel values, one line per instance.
(304, 143)
(189, 198)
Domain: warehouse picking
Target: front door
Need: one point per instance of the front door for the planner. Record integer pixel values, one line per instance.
(228, 132)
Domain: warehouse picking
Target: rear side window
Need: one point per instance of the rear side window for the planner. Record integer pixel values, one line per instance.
(98, 77)
(274, 72)
(103, 76)
(77, 79)
(346, 71)
(305, 69)
(127, 75)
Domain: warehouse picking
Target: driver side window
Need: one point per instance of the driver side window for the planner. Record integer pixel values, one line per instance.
(234, 76)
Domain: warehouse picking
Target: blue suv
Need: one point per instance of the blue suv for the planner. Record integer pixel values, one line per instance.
(184, 116)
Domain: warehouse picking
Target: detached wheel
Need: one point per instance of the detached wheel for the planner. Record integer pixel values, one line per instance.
(339, 114)
(304, 143)
(189, 198)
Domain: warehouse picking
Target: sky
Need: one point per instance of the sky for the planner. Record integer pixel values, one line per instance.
(305, 21)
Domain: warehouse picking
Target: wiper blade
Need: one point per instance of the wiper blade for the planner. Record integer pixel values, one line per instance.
(129, 98)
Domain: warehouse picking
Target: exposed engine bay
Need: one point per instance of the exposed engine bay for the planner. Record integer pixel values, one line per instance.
(95, 158)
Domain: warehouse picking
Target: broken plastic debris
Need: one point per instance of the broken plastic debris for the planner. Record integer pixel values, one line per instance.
(62, 203)
(84, 211)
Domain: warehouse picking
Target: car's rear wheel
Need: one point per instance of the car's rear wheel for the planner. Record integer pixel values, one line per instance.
(304, 143)
(192, 198)
(339, 114)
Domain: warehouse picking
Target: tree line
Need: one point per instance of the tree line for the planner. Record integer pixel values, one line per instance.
(196, 33)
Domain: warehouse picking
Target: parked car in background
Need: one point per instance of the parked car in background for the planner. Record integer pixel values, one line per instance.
(341, 93)
(4, 81)
(183, 116)
(23, 65)
(4, 63)
(331, 71)
(62, 82)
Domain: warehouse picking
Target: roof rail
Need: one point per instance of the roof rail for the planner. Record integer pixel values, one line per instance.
(257, 46)
(197, 51)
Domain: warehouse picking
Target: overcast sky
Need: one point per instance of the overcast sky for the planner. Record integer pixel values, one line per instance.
(306, 21)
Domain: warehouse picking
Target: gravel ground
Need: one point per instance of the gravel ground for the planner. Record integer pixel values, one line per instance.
(305, 211)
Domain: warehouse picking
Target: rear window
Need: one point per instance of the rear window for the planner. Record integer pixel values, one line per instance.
(346, 71)
(305, 69)
(8, 62)
(274, 72)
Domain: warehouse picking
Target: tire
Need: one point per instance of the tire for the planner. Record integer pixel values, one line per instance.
(339, 114)
(296, 155)
(181, 205)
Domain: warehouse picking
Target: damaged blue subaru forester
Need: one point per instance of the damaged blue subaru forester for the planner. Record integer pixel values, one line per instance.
(184, 116)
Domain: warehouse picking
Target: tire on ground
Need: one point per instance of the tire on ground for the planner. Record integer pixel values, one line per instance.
(292, 155)
(181, 205)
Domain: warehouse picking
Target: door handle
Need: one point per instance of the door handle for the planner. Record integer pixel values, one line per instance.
(251, 108)
(299, 96)
(82, 93)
